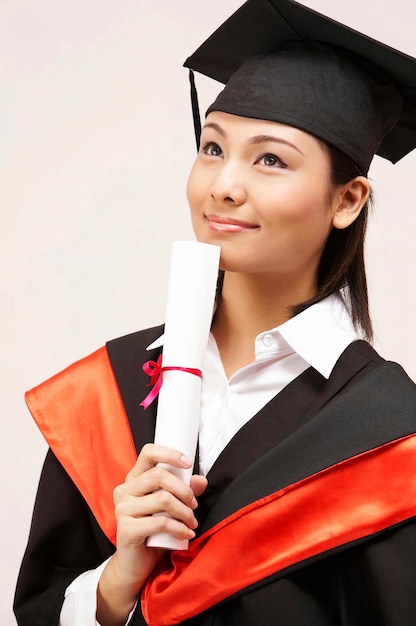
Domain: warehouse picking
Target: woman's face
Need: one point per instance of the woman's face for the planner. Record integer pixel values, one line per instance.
(260, 190)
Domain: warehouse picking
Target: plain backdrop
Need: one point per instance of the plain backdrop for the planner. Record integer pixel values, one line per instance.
(96, 143)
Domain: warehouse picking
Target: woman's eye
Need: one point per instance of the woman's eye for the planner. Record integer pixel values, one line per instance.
(271, 160)
(212, 149)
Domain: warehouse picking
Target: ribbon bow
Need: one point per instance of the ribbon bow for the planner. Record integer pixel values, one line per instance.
(155, 370)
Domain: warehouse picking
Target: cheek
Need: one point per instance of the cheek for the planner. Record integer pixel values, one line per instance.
(301, 217)
(190, 185)
(307, 203)
(197, 186)
(195, 195)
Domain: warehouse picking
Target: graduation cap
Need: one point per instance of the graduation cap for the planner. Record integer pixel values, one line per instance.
(284, 62)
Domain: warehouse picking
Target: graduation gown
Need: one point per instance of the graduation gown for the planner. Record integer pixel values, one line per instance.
(308, 518)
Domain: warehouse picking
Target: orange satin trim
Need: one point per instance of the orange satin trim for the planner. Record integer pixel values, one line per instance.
(82, 417)
(344, 503)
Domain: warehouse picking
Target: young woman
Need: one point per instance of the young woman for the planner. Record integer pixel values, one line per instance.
(302, 508)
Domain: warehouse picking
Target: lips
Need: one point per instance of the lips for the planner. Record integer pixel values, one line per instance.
(229, 224)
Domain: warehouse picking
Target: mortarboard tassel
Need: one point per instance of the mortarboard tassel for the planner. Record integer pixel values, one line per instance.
(195, 109)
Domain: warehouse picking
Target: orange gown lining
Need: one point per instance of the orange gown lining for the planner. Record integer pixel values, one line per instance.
(81, 415)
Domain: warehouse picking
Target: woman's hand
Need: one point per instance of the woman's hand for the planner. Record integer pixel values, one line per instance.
(148, 489)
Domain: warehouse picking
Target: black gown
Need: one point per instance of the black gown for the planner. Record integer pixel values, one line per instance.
(358, 575)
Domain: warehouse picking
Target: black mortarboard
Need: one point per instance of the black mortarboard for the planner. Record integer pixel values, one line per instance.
(284, 62)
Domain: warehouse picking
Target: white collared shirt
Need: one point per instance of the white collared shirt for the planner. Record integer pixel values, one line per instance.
(314, 338)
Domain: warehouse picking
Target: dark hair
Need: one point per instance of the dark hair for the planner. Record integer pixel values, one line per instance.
(342, 266)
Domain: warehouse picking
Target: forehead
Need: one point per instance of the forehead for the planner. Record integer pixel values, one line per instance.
(247, 128)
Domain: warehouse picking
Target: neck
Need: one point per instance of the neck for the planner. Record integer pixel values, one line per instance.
(251, 304)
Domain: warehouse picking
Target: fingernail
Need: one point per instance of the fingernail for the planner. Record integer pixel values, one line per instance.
(185, 461)
(191, 534)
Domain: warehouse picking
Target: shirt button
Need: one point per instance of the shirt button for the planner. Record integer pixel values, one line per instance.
(268, 341)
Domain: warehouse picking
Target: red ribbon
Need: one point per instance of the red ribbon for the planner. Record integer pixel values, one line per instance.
(155, 371)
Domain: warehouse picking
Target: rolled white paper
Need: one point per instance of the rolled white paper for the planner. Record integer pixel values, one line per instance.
(190, 304)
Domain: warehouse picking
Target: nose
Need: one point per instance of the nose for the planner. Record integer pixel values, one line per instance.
(228, 185)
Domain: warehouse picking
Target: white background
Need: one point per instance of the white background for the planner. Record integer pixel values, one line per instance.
(96, 143)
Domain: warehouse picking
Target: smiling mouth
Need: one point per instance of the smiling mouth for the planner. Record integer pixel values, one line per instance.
(229, 224)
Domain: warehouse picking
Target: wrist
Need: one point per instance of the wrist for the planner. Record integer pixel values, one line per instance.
(116, 595)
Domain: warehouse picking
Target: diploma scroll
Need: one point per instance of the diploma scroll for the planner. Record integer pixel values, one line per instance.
(190, 304)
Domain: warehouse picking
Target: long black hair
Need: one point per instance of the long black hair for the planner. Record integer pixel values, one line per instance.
(342, 265)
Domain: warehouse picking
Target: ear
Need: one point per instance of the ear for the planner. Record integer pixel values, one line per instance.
(348, 201)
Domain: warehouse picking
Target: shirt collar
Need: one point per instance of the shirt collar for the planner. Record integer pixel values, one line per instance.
(320, 334)
(157, 343)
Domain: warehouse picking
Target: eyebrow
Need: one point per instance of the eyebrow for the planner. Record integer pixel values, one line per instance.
(265, 138)
(257, 139)
(216, 127)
